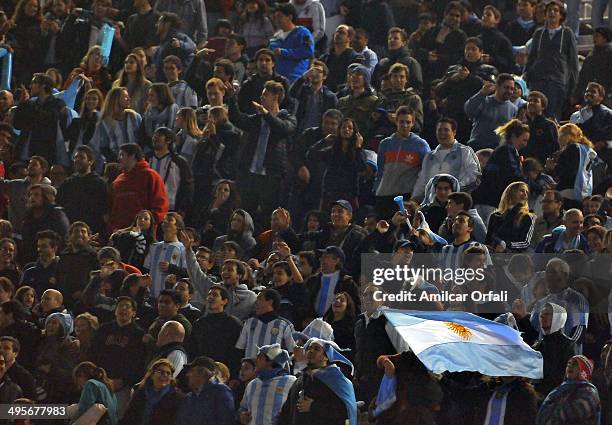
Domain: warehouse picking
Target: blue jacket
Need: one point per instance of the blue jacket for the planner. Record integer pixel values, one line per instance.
(296, 51)
(214, 405)
(487, 113)
(184, 52)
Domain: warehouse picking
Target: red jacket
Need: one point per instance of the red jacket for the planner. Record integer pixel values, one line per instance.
(141, 188)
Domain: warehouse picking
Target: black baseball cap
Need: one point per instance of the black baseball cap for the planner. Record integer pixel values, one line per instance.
(202, 361)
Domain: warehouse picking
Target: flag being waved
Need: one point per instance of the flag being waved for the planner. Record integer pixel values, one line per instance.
(459, 341)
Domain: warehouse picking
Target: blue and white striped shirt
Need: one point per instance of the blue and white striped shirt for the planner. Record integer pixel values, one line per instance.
(265, 399)
(256, 333)
(173, 253)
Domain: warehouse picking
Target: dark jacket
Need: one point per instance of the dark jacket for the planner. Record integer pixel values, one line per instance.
(345, 284)
(163, 412)
(215, 335)
(543, 139)
(497, 45)
(342, 172)
(140, 30)
(27, 43)
(521, 405)
(596, 67)
(282, 127)
(22, 377)
(344, 333)
(349, 240)
(403, 56)
(295, 305)
(327, 408)
(205, 166)
(39, 123)
(74, 33)
(301, 91)
(53, 218)
(337, 65)
(371, 341)
(39, 277)
(449, 52)
(598, 128)
(85, 198)
(553, 60)
(9, 391)
(517, 34)
(503, 227)
(112, 343)
(503, 168)
(377, 18)
(547, 244)
(228, 136)
(214, 404)
(251, 91)
(29, 336)
(73, 271)
(556, 350)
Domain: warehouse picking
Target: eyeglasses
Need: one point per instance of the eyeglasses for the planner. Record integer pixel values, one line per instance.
(162, 372)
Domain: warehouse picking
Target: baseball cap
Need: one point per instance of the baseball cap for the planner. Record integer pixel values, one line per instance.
(202, 361)
(404, 243)
(344, 204)
(335, 251)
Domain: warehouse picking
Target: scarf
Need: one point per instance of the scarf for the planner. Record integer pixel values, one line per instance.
(496, 408)
(526, 25)
(154, 118)
(152, 397)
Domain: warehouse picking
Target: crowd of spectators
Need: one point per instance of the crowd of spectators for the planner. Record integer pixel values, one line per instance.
(189, 191)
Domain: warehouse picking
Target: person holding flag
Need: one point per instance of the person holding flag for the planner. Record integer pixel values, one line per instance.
(322, 395)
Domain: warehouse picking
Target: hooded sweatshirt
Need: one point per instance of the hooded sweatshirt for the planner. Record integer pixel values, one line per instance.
(556, 350)
(245, 239)
(399, 163)
(135, 190)
(459, 161)
(311, 15)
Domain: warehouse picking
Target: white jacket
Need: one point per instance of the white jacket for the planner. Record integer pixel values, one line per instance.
(311, 15)
(461, 162)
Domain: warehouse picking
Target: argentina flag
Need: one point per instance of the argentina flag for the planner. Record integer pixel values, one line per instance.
(459, 341)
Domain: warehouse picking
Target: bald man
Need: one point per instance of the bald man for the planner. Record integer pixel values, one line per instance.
(6, 103)
(170, 345)
(52, 301)
(568, 236)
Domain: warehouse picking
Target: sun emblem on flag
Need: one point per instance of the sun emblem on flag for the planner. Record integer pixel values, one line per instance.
(460, 330)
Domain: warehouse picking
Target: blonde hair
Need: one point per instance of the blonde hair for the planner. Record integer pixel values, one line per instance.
(573, 134)
(153, 367)
(506, 202)
(223, 373)
(92, 320)
(191, 122)
(90, 52)
(111, 107)
(512, 128)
